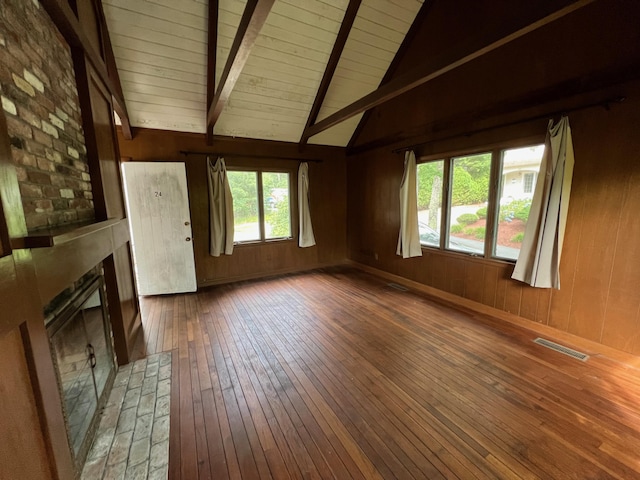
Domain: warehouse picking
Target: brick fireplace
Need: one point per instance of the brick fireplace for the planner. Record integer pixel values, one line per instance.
(40, 100)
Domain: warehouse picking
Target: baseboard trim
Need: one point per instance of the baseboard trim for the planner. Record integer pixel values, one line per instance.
(272, 273)
(589, 346)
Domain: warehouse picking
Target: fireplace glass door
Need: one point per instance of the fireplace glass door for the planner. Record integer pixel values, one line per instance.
(81, 344)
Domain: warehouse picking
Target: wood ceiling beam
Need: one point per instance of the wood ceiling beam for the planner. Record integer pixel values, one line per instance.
(212, 50)
(393, 66)
(69, 26)
(254, 16)
(468, 50)
(334, 58)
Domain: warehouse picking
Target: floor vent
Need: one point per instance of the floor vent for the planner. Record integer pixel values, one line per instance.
(398, 287)
(583, 357)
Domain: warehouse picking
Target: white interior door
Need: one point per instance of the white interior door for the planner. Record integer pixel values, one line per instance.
(160, 222)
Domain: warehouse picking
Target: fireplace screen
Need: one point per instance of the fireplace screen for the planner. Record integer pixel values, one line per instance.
(82, 348)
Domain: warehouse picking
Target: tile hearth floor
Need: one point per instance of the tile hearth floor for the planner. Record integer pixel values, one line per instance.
(132, 441)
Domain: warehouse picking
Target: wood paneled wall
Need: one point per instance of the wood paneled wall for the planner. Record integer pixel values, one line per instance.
(540, 72)
(20, 428)
(599, 297)
(586, 57)
(327, 193)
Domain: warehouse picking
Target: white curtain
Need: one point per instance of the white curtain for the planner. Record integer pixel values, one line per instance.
(539, 260)
(409, 238)
(220, 209)
(305, 238)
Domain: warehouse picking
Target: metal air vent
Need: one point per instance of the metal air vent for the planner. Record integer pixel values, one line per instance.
(583, 357)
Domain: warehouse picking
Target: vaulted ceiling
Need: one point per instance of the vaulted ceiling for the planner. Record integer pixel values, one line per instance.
(280, 66)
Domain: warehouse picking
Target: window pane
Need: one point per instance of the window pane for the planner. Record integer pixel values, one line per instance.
(469, 196)
(520, 167)
(430, 201)
(244, 188)
(277, 212)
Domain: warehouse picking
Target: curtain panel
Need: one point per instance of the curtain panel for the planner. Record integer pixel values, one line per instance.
(409, 238)
(538, 263)
(220, 209)
(305, 237)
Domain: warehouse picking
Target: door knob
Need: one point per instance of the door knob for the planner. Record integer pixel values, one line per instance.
(188, 239)
(186, 224)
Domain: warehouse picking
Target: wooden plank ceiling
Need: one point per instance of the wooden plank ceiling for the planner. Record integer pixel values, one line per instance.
(160, 48)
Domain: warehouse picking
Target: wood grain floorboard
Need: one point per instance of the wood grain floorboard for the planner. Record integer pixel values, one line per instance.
(334, 374)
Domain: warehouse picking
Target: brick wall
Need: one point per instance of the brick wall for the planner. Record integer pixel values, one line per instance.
(40, 100)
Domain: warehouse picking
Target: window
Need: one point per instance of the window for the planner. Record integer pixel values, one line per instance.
(480, 220)
(528, 182)
(430, 177)
(469, 196)
(515, 198)
(261, 205)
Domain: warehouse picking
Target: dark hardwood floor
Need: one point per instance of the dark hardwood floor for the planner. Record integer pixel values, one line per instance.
(334, 374)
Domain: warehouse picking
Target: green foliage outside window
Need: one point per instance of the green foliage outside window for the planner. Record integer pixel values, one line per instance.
(471, 180)
(516, 209)
(244, 187)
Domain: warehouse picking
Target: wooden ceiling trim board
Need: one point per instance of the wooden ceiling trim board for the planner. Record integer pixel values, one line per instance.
(291, 54)
(162, 52)
(142, 98)
(334, 58)
(404, 46)
(138, 21)
(161, 67)
(183, 111)
(253, 19)
(293, 75)
(297, 93)
(69, 26)
(313, 31)
(437, 67)
(212, 48)
(326, 10)
(275, 101)
(163, 91)
(194, 8)
(158, 13)
(112, 69)
(284, 63)
(159, 63)
(120, 28)
(380, 18)
(302, 13)
(162, 82)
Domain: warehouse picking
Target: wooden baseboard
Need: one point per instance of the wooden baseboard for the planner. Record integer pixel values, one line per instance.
(273, 273)
(588, 346)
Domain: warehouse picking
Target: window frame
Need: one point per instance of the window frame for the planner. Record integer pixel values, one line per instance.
(293, 193)
(490, 240)
(442, 198)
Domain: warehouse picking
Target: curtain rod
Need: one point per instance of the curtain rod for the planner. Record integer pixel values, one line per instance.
(606, 104)
(191, 152)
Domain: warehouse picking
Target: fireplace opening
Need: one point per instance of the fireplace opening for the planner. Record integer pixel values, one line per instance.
(82, 347)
